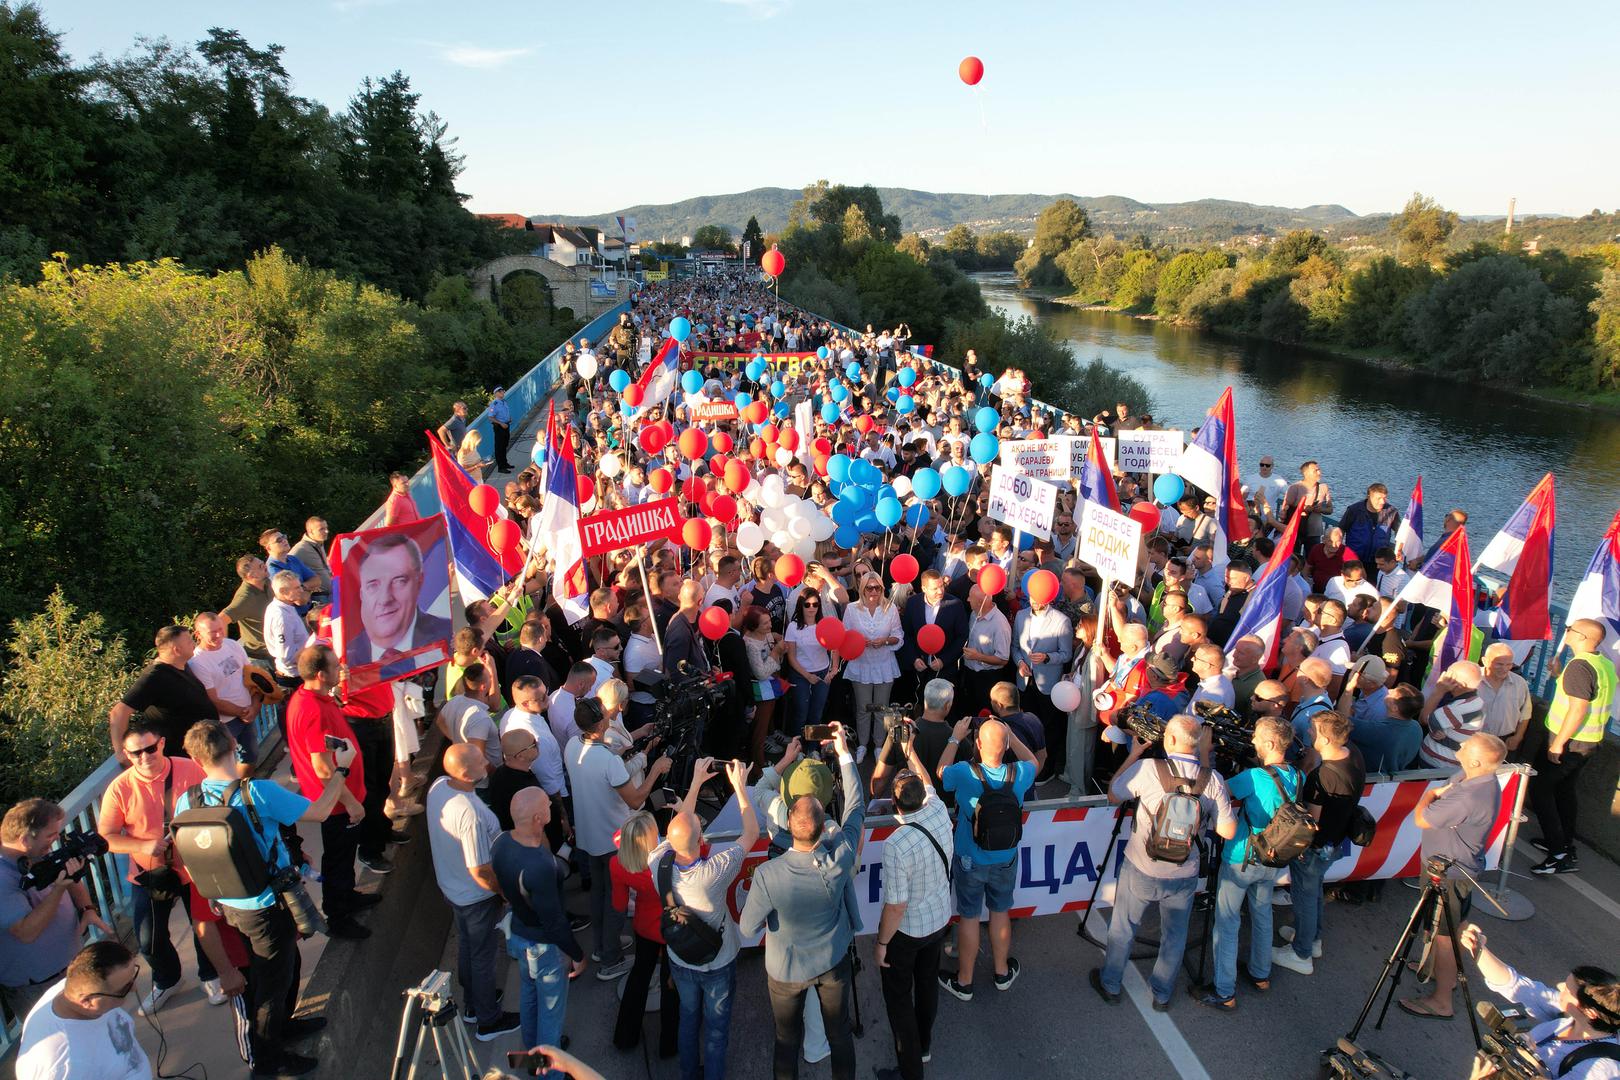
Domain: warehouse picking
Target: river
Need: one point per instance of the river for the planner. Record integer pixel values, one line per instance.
(1477, 448)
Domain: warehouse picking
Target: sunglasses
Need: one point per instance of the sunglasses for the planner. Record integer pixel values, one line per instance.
(125, 992)
(812, 604)
(142, 751)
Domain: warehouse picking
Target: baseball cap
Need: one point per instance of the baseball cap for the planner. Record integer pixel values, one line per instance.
(1162, 665)
(1372, 670)
(807, 776)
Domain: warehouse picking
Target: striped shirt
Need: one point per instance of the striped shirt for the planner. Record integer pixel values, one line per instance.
(1449, 725)
(913, 872)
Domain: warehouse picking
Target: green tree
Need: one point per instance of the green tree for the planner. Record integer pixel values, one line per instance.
(1497, 318)
(1138, 281)
(1057, 228)
(753, 238)
(712, 238)
(1421, 229)
(1296, 247)
(1182, 274)
(1375, 300)
(1606, 332)
(999, 250)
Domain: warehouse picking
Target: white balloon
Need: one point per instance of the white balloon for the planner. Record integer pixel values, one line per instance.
(771, 492)
(586, 366)
(784, 456)
(902, 486)
(798, 508)
(611, 466)
(1066, 696)
(750, 538)
(805, 548)
(783, 540)
(798, 527)
(822, 527)
(773, 519)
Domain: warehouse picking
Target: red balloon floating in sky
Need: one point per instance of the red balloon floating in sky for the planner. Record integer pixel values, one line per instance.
(971, 69)
(773, 262)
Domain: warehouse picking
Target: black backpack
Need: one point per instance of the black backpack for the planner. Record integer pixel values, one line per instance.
(1289, 833)
(998, 819)
(685, 933)
(1363, 827)
(1179, 819)
(218, 846)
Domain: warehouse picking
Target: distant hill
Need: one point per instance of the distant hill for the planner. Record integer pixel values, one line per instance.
(932, 213)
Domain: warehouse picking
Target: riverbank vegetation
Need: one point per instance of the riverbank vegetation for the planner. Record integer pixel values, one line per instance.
(1542, 318)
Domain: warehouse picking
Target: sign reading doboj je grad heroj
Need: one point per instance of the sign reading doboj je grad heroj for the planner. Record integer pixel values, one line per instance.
(1149, 451)
(614, 529)
(1022, 501)
(1109, 541)
(391, 600)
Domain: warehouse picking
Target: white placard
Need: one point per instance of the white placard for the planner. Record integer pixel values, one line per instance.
(1109, 541)
(1024, 502)
(1045, 459)
(1080, 446)
(1149, 451)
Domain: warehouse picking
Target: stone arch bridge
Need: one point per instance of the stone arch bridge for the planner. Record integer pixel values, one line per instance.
(570, 285)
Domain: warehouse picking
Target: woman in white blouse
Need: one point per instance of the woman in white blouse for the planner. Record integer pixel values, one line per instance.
(872, 673)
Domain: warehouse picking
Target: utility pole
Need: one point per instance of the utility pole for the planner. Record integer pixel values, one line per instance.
(1512, 202)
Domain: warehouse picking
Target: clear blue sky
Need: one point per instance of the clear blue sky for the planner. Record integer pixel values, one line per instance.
(1284, 103)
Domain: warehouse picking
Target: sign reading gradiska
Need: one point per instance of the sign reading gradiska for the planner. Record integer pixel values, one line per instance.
(708, 411)
(1025, 503)
(1149, 451)
(614, 529)
(1109, 541)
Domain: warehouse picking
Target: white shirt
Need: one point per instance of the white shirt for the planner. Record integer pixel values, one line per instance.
(1216, 688)
(1338, 589)
(285, 635)
(604, 672)
(468, 718)
(877, 664)
(561, 716)
(641, 654)
(1391, 582)
(1197, 597)
(56, 1048)
(1336, 651)
(461, 830)
(811, 656)
(1271, 487)
(221, 672)
(548, 765)
(595, 773)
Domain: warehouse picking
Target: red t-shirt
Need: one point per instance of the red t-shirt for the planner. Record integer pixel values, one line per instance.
(370, 702)
(400, 509)
(310, 718)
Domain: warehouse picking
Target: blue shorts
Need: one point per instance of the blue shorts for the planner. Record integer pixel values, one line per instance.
(977, 884)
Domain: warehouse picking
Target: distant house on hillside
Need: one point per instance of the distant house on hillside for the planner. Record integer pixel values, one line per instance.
(562, 244)
(511, 221)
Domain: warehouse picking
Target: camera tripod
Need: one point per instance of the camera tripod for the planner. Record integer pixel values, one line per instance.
(431, 1014)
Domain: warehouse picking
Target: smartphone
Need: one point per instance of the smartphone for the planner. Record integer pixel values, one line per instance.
(335, 743)
(818, 732)
(532, 1061)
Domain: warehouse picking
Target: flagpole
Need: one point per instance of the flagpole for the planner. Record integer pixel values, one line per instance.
(646, 590)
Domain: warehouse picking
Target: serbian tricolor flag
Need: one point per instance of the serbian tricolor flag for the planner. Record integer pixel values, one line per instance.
(1210, 464)
(1523, 553)
(1096, 482)
(1409, 535)
(1446, 583)
(662, 375)
(1262, 613)
(557, 526)
(1597, 597)
(479, 570)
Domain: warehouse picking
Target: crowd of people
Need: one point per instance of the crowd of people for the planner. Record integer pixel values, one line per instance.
(923, 654)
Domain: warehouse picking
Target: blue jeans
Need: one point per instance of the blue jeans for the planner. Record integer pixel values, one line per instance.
(151, 919)
(1253, 882)
(806, 702)
(1132, 894)
(1305, 890)
(543, 997)
(706, 998)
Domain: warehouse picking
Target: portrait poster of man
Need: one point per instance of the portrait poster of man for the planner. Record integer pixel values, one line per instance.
(391, 604)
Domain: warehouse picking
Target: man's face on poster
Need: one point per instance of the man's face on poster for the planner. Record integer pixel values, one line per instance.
(390, 580)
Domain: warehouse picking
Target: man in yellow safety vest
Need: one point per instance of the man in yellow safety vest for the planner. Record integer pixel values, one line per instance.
(1575, 722)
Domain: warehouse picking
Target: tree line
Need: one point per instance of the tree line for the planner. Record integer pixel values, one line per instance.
(1541, 318)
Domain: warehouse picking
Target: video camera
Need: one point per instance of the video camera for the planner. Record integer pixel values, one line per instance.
(1507, 1051)
(1231, 736)
(74, 845)
(1347, 1061)
(897, 723)
(684, 702)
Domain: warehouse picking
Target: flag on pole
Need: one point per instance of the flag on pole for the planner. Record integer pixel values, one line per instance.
(480, 570)
(662, 375)
(1597, 597)
(1210, 464)
(1523, 553)
(1263, 611)
(1096, 481)
(1446, 583)
(558, 527)
(1409, 536)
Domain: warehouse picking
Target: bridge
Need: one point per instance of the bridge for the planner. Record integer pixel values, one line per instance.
(571, 286)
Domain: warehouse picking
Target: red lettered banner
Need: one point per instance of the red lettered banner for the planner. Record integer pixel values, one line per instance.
(710, 411)
(614, 529)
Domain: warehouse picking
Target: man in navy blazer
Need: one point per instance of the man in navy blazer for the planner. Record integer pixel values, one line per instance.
(946, 612)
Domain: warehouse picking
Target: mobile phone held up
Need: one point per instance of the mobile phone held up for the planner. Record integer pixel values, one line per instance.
(818, 732)
(531, 1062)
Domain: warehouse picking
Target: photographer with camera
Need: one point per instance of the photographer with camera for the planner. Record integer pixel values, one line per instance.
(1576, 1020)
(1334, 777)
(44, 907)
(266, 920)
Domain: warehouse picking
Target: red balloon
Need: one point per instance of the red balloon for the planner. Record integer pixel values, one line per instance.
(756, 446)
(757, 411)
(773, 263)
(822, 446)
(723, 508)
(714, 623)
(1043, 587)
(695, 534)
(504, 536)
(769, 433)
(633, 395)
(865, 423)
(971, 70)
(704, 498)
(660, 480)
(693, 443)
(788, 439)
(653, 439)
(904, 568)
(693, 489)
(820, 463)
(722, 442)
(930, 639)
(717, 465)
(1147, 514)
(852, 646)
(484, 500)
(737, 476)
(790, 570)
(585, 487)
(830, 633)
(992, 579)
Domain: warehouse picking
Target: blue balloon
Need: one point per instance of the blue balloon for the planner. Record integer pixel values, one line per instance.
(838, 467)
(1026, 542)
(744, 399)
(984, 448)
(1168, 488)
(845, 513)
(1023, 584)
(865, 474)
(778, 388)
(893, 393)
(986, 419)
(782, 409)
(619, 380)
(926, 483)
(851, 495)
(822, 353)
(907, 376)
(957, 480)
(865, 498)
(847, 537)
(756, 369)
(680, 328)
(829, 413)
(916, 515)
(905, 404)
(888, 512)
(869, 523)
(853, 370)
(839, 392)
(986, 381)
(692, 381)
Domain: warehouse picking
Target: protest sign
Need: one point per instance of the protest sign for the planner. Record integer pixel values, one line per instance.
(391, 600)
(713, 411)
(1153, 452)
(1024, 502)
(1109, 541)
(614, 529)
(1044, 459)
